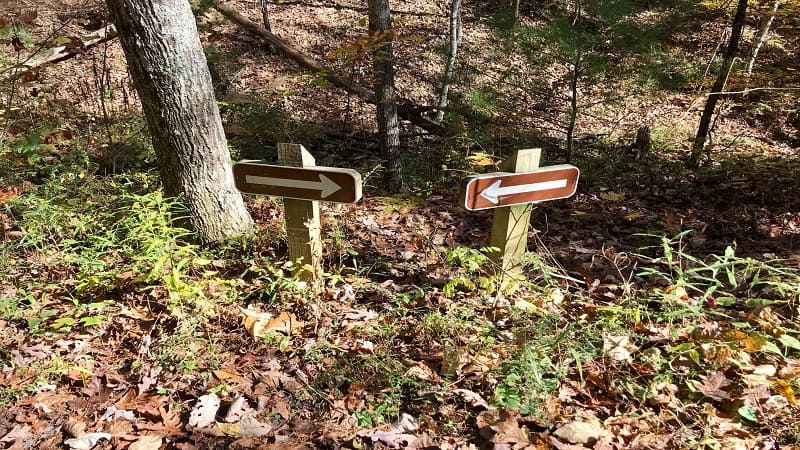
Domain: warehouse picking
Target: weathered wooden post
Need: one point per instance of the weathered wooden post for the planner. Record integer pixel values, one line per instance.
(303, 185)
(510, 223)
(510, 194)
(302, 219)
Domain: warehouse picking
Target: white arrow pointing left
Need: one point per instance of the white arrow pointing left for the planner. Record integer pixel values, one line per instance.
(325, 184)
(494, 191)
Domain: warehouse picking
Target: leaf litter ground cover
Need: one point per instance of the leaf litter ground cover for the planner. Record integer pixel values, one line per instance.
(636, 327)
(121, 342)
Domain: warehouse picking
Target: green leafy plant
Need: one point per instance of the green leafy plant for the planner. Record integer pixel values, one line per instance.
(721, 279)
(474, 262)
(543, 356)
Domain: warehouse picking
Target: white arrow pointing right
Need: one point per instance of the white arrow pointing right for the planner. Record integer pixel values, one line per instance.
(494, 191)
(325, 184)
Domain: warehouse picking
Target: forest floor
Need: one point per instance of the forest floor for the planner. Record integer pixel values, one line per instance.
(657, 308)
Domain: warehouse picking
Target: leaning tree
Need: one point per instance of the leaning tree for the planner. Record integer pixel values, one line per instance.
(170, 72)
(717, 89)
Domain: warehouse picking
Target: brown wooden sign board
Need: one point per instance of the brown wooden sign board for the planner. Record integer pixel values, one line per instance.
(494, 190)
(329, 184)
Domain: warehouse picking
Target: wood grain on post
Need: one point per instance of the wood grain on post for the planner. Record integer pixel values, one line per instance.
(302, 219)
(510, 223)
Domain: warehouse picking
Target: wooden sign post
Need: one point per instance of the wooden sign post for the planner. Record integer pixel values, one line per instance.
(303, 185)
(302, 219)
(511, 194)
(510, 223)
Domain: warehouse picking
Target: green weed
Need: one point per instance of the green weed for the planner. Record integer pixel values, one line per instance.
(474, 263)
(183, 347)
(8, 396)
(722, 279)
(544, 355)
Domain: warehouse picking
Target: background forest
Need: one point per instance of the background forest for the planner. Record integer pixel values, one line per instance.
(657, 308)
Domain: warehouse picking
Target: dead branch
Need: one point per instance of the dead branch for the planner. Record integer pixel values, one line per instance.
(404, 110)
(62, 52)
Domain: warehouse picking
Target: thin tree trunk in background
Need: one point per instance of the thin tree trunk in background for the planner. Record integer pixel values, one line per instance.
(515, 11)
(573, 104)
(761, 35)
(265, 15)
(380, 28)
(719, 84)
(452, 51)
(169, 70)
(265, 20)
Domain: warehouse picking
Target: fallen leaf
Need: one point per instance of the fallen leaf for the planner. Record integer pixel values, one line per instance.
(406, 423)
(390, 438)
(251, 427)
(205, 412)
(112, 413)
(149, 378)
(785, 389)
(633, 215)
(501, 427)
(247, 427)
(612, 196)
(147, 442)
(228, 376)
(18, 433)
(259, 324)
(713, 386)
(579, 432)
(765, 369)
(619, 348)
(749, 413)
(87, 441)
(473, 398)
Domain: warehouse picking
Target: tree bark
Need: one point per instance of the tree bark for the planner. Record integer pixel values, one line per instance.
(169, 70)
(265, 15)
(572, 114)
(514, 12)
(380, 28)
(761, 35)
(719, 84)
(452, 51)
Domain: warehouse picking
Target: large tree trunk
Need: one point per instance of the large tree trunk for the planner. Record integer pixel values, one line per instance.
(380, 28)
(719, 84)
(761, 34)
(169, 69)
(452, 51)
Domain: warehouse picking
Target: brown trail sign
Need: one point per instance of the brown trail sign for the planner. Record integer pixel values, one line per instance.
(328, 184)
(510, 194)
(493, 190)
(303, 185)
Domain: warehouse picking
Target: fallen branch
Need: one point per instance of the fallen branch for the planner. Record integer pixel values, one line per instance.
(405, 111)
(63, 52)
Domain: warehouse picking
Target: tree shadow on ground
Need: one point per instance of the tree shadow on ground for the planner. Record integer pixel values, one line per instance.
(748, 202)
